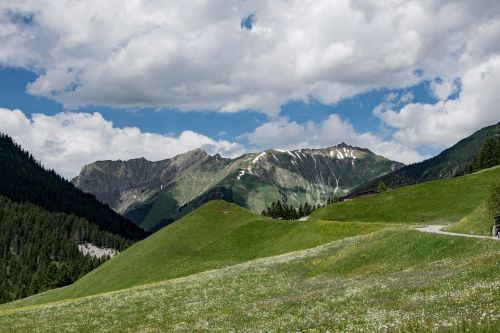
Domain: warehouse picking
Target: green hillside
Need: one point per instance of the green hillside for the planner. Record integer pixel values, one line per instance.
(216, 235)
(396, 280)
(435, 202)
(478, 222)
(456, 160)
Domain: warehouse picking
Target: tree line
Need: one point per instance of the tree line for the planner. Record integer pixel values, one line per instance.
(488, 157)
(25, 179)
(281, 210)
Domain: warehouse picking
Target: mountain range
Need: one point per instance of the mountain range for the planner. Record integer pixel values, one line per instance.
(153, 194)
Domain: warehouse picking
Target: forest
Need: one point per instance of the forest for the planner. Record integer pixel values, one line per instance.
(25, 179)
(38, 249)
(281, 210)
(488, 157)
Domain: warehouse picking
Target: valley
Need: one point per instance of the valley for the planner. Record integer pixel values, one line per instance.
(280, 166)
(222, 267)
(414, 258)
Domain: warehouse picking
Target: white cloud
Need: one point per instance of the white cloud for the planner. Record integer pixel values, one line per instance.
(193, 54)
(444, 89)
(66, 141)
(285, 134)
(449, 120)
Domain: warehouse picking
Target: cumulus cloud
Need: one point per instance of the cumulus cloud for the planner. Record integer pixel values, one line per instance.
(285, 134)
(193, 54)
(442, 124)
(66, 141)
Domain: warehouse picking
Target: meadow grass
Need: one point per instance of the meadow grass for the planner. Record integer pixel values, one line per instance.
(217, 235)
(479, 222)
(393, 280)
(436, 202)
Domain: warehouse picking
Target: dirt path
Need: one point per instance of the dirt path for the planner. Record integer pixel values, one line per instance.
(436, 229)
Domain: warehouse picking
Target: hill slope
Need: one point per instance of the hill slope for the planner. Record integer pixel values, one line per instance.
(23, 179)
(451, 162)
(155, 193)
(216, 235)
(478, 222)
(392, 280)
(435, 202)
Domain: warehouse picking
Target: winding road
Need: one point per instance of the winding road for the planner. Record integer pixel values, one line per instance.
(436, 229)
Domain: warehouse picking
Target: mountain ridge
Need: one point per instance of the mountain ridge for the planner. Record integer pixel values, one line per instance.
(155, 193)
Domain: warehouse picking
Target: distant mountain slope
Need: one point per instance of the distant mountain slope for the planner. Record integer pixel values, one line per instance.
(216, 235)
(155, 193)
(23, 179)
(451, 162)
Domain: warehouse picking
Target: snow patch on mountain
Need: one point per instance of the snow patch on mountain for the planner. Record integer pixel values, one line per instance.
(255, 160)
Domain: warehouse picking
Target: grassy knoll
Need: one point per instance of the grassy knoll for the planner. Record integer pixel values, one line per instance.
(479, 222)
(435, 202)
(214, 236)
(391, 280)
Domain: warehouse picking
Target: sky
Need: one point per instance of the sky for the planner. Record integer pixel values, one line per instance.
(91, 80)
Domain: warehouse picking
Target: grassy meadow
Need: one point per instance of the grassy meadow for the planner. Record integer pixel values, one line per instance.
(478, 222)
(216, 235)
(393, 280)
(436, 202)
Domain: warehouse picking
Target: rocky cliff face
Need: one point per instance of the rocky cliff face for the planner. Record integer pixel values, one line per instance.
(154, 193)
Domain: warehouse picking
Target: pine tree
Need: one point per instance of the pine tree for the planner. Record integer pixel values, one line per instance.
(381, 187)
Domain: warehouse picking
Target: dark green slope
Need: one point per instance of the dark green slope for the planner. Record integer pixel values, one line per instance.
(23, 179)
(451, 162)
(38, 249)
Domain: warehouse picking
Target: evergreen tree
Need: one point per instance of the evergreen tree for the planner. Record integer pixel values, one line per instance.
(281, 210)
(488, 157)
(380, 186)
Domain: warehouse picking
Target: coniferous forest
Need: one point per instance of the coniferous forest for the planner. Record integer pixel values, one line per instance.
(488, 157)
(24, 179)
(38, 249)
(42, 219)
(281, 210)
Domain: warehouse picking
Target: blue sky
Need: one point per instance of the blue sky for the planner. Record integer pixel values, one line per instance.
(85, 81)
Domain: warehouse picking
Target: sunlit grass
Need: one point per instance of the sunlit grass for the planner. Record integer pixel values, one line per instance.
(392, 280)
(217, 235)
(435, 202)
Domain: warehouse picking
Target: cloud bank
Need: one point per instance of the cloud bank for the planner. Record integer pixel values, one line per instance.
(192, 54)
